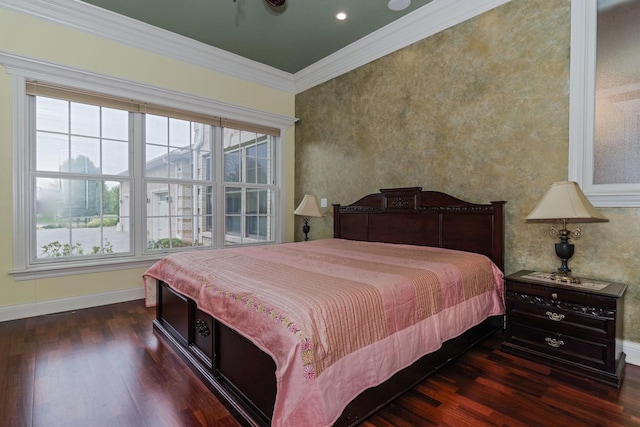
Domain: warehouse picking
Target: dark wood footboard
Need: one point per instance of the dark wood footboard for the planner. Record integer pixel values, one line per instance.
(237, 372)
(243, 377)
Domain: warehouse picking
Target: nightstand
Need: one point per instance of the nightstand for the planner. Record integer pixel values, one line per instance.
(577, 328)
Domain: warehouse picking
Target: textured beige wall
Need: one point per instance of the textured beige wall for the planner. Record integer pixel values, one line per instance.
(480, 111)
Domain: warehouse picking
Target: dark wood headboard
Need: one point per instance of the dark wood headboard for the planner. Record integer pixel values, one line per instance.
(425, 218)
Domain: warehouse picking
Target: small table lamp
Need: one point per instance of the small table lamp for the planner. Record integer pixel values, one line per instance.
(308, 207)
(565, 202)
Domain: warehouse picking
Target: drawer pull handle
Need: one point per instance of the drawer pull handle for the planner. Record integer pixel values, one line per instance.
(202, 329)
(554, 342)
(555, 316)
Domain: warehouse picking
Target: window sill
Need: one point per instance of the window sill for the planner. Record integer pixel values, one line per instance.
(71, 268)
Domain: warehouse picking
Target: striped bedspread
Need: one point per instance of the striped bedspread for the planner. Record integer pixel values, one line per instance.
(337, 316)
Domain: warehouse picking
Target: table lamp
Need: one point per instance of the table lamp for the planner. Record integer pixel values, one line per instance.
(565, 202)
(308, 207)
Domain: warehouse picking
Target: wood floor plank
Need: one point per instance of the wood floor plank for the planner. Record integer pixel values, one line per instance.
(105, 366)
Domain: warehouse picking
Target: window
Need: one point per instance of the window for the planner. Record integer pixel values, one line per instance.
(102, 180)
(178, 179)
(83, 182)
(605, 101)
(80, 168)
(248, 197)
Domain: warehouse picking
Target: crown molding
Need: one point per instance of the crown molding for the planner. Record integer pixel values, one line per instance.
(426, 21)
(430, 19)
(31, 68)
(103, 23)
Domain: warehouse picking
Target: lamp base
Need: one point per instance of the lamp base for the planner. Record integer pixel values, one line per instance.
(564, 250)
(305, 229)
(564, 277)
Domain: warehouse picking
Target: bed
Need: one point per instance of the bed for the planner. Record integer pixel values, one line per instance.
(326, 332)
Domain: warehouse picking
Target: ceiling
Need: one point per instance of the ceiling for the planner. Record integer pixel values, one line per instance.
(288, 38)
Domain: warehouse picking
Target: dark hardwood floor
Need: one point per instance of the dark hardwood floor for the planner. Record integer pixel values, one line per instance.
(100, 367)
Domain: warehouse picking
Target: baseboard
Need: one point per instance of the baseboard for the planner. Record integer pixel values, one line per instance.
(632, 351)
(22, 311)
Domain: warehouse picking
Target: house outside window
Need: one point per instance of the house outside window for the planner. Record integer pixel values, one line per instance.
(83, 181)
(177, 176)
(248, 198)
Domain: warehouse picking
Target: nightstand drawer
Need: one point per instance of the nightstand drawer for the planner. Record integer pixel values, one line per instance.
(561, 297)
(566, 347)
(560, 316)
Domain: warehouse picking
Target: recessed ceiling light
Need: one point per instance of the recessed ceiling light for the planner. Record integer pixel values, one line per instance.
(341, 16)
(398, 4)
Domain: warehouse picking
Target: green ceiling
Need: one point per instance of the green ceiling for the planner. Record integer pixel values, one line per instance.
(288, 38)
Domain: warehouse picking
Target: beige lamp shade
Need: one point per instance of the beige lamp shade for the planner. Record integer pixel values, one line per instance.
(565, 201)
(308, 207)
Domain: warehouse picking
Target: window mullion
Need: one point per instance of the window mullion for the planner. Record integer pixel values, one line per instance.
(243, 214)
(243, 191)
(138, 193)
(219, 208)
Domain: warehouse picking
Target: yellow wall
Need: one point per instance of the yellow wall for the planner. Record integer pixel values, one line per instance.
(34, 38)
(479, 111)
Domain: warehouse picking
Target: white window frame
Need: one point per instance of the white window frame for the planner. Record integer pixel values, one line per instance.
(22, 69)
(584, 16)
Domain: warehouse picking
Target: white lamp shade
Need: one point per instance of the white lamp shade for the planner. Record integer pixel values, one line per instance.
(308, 206)
(565, 201)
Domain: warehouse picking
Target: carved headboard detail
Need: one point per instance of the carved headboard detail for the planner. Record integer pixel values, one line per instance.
(426, 218)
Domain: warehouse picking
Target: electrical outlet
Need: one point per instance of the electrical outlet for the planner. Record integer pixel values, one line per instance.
(323, 202)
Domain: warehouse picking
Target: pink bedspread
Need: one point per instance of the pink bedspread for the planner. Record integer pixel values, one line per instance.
(337, 316)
